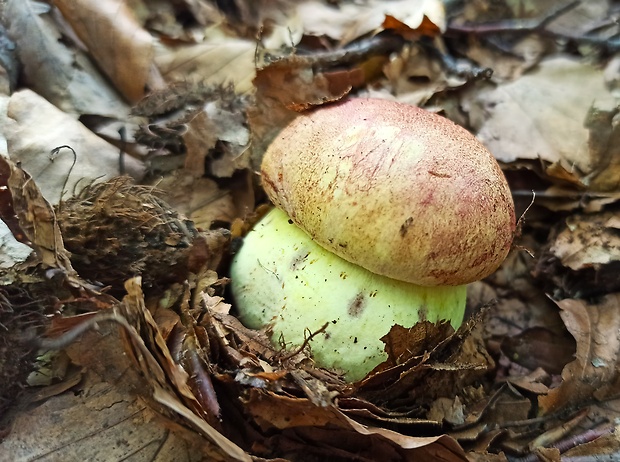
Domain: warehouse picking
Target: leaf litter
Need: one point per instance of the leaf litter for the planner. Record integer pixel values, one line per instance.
(128, 276)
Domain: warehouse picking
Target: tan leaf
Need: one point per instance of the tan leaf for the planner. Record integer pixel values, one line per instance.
(35, 216)
(120, 46)
(350, 21)
(588, 240)
(219, 61)
(547, 107)
(34, 127)
(66, 78)
(594, 372)
(88, 423)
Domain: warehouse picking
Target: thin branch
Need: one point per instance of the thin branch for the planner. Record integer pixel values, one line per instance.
(305, 344)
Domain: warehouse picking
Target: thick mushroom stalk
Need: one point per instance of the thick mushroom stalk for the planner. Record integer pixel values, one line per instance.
(407, 205)
(283, 279)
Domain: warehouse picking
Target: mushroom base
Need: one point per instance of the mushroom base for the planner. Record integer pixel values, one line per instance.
(282, 279)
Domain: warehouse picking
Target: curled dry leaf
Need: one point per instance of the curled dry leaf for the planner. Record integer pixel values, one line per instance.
(426, 362)
(594, 374)
(588, 241)
(217, 136)
(31, 218)
(205, 123)
(583, 256)
(346, 22)
(169, 381)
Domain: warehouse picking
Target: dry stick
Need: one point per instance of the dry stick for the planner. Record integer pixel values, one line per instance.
(571, 442)
(532, 25)
(305, 344)
(72, 335)
(550, 437)
(381, 44)
(53, 155)
(512, 25)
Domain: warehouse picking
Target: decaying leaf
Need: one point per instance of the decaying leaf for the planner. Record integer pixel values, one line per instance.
(550, 108)
(588, 240)
(221, 61)
(34, 127)
(594, 372)
(109, 28)
(346, 22)
(217, 137)
(64, 77)
(425, 363)
(32, 218)
(584, 255)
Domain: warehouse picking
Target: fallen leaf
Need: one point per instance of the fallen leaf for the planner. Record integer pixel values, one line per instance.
(109, 30)
(348, 22)
(547, 107)
(34, 128)
(583, 255)
(64, 77)
(539, 347)
(594, 372)
(588, 240)
(33, 219)
(220, 61)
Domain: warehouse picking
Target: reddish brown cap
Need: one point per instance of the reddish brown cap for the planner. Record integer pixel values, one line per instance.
(395, 189)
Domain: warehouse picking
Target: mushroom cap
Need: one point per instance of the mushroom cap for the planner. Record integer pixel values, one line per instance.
(393, 188)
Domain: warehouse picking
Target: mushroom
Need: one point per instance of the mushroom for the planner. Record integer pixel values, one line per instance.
(384, 213)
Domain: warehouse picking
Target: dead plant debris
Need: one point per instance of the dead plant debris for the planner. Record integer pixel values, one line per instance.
(118, 337)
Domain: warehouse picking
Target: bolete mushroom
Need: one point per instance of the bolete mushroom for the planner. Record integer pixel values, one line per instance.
(385, 212)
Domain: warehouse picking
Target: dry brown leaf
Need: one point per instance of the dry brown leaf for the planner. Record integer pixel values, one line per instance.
(588, 241)
(547, 107)
(167, 381)
(347, 22)
(33, 127)
(594, 372)
(200, 199)
(217, 61)
(414, 77)
(583, 256)
(217, 137)
(64, 77)
(539, 347)
(116, 41)
(284, 413)
(36, 221)
(438, 364)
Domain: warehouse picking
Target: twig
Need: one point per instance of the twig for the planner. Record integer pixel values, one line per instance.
(524, 26)
(574, 441)
(512, 25)
(305, 344)
(381, 44)
(70, 336)
(53, 155)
